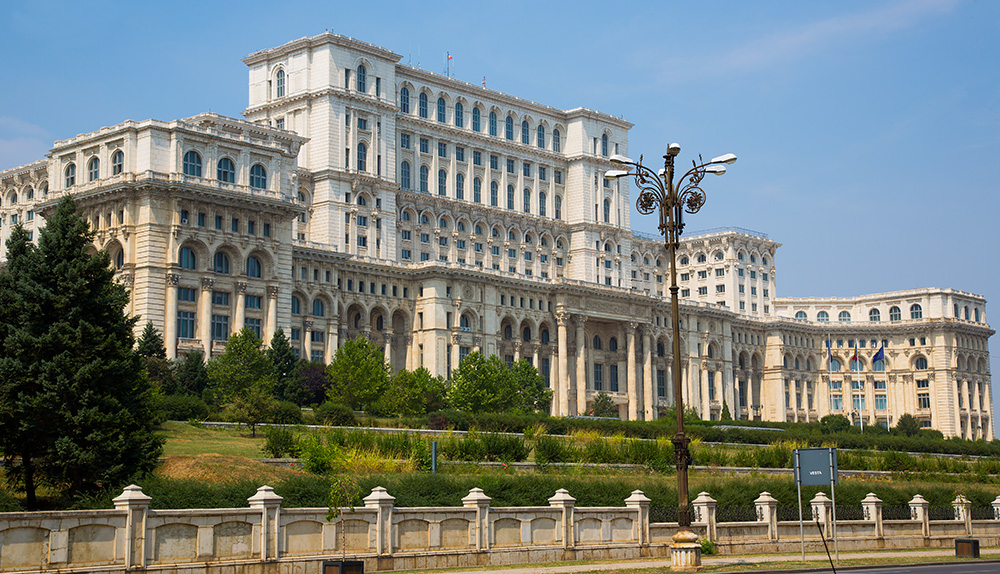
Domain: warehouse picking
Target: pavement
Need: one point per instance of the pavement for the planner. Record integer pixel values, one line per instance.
(985, 554)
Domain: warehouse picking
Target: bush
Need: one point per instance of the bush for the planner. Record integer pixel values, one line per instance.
(549, 449)
(286, 413)
(335, 414)
(183, 407)
(707, 547)
(280, 443)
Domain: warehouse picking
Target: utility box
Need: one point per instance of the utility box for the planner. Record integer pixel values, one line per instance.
(358, 567)
(966, 548)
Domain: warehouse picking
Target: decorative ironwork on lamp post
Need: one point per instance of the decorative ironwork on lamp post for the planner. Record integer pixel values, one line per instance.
(658, 192)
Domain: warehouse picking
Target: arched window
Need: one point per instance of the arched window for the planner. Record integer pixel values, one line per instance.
(526, 334)
(510, 197)
(711, 352)
(279, 84)
(834, 365)
(405, 215)
(878, 365)
(440, 110)
(120, 259)
(856, 364)
(597, 343)
(844, 317)
(460, 186)
(540, 139)
(874, 315)
(117, 162)
(525, 132)
(459, 114)
(379, 323)
(556, 141)
(544, 335)
(362, 83)
(476, 126)
(920, 364)
(916, 311)
(511, 235)
(296, 306)
(685, 260)
(93, 169)
(895, 314)
(362, 200)
(404, 175)
(809, 365)
(258, 176)
(187, 259)
(558, 207)
(977, 314)
(822, 316)
(464, 324)
(607, 211)
(477, 190)
(253, 267)
(612, 344)
(493, 123)
(192, 163)
(604, 145)
(220, 264)
(801, 315)
(508, 332)
(966, 312)
(508, 128)
(796, 363)
(70, 175)
(404, 100)
(527, 200)
(443, 223)
(319, 309)
(494, 194)
(442, 182)
(541, 204)
(362, 156)
(660, 351)
(422, 105)
(226, 170)
(424, 176)
(357, 320)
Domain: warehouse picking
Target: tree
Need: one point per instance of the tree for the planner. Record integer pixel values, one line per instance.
(190, 373)
(151, 343)
(411, 393)
(908, 425)
(154, 354)
(75, 403)
(358, 375)
(487, 385)
(604, 406)
(312, 379)
(242, 379)
(832, 424)
(287, 386)
(726, 415)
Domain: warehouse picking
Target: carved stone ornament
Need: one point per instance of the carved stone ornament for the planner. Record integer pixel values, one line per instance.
(477, 341)
(307, 324)
(272, 291)
(173, 279)
(207, 283)
(467, 292)
(241, 287)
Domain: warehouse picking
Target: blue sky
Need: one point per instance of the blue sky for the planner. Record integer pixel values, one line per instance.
(868, 132)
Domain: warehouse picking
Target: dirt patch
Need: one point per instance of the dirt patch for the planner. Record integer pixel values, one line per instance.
(223, 469)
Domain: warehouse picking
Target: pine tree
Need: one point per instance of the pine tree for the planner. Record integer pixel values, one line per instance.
(287, 385)
(151, 343)
(75, 403)
(154, 354)
(191, 374)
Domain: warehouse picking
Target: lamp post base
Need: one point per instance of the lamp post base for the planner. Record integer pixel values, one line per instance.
(685, 553)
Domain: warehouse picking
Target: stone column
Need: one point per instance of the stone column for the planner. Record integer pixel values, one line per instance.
(704, 512)
(205, 316)
(918, 511)
(269, 504)
(241, 307)
(872, 506)
(307, 340)
(455, 342)
(476, 499)
(563, 500)
(581, 367)
(383, 501)
(272, 314)
(648, 377)
(136, 504)
(822, 508)
(996, 508)
(640, 502)
(633, 396)
(170, 319)
(562, 385)
(387, 338)
(330, 335)
(767, 511)
(963, 512)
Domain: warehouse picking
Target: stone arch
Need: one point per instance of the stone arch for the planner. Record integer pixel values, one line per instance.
(201, 253)
(267, 270)
(378, 318)
(526, 330)
(234, 256)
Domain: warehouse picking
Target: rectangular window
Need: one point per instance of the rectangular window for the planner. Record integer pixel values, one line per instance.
(362, 123)
(220, 298)
(613, 377)
(406, 234)
(296, 335)
(407, 255)
(267, 230)
(442, 150)
(253, 324)
(185, 294)
(218, 222)
(404, 141)
(510, 166)
(185, 324)
(720, 288)
(720, 272)
(703, 275)
(220, 327)
(764, 277)
(661, 383)
(739, 273)
(598, 377)
(425, 238)
(425, 256)
(880, 402)
(253, 301)
(235, 226)
(477, 158)
(201, 220)
(526, 169)
(685, 292)
(494, 162)
(837, 402)
(753, 274)
(703, 290)
(252, 227)
(557, 176)
(425, 145)
(316, 336)
(541, 173)
(459, 153)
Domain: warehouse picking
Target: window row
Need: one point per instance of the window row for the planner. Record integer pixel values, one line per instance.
(225, 170)
(188, 259)
(94, 168)
(28, 194)
(874, 315)
(444, 151)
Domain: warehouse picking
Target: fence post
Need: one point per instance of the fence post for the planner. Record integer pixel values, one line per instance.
(963, 512)
(269, 504)
(641, 502)
(136, 504)
(563, 500)
(918, 511)
(872, 505)
(383, 501)
(478, 500)
(704, 511)
(996, 508)
(821, 508)
(767, 511)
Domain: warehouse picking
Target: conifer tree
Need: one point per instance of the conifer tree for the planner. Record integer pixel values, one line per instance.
(191, 374)
(75, 402)
(151, 343)
(287, 386)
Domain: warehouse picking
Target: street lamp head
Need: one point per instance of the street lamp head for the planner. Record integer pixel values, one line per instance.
(615, 174)
(729, 158)
(673, 149)
(715, 168)
(621, 159)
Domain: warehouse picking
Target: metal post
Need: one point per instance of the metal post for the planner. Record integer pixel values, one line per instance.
(434, 456)
(833, 497)
(798, 485)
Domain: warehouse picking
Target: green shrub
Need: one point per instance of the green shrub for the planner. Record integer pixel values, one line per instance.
(286, 413)
(183, 407)
(335, 414)
(549, 449)
(707, 547)
(280, 442)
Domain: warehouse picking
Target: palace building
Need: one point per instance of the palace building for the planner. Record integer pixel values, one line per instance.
(363, 197)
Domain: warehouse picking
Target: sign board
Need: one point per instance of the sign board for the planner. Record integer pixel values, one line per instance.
(813, 466)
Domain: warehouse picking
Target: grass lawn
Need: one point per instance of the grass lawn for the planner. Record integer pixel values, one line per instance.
(185, 439)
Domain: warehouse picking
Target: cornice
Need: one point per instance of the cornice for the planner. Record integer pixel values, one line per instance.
(307, 96)
(324, 39)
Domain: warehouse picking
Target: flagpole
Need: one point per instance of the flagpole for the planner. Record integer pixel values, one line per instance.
(829, 375)
(861, 386)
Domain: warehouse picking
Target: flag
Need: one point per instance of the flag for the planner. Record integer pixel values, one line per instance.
(880, 355)
(829, 352)
(449, 57)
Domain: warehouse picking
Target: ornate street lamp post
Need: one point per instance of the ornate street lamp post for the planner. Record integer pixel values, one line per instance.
(659, 192)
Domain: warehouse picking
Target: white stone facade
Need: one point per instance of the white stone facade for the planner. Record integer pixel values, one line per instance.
(436, 217)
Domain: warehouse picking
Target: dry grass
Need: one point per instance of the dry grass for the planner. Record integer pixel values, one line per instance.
(223, 469)
(186, 439)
